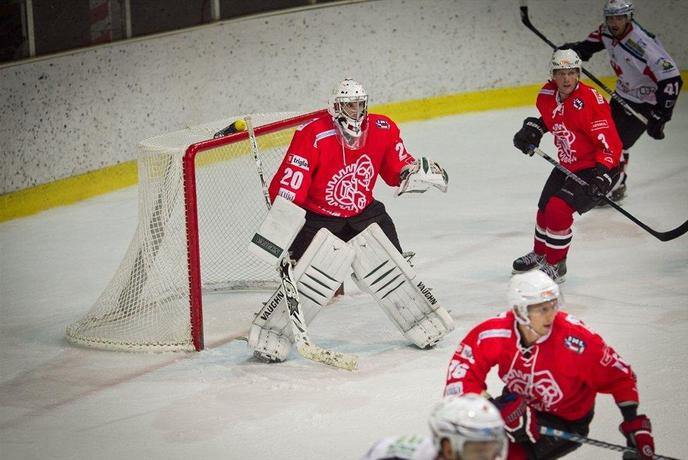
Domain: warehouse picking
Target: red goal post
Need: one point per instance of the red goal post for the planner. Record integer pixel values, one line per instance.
(200, 202)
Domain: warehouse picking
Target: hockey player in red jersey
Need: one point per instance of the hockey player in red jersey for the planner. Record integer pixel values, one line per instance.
(648, 80)
(333, 163)
(587, 144)
(552, 366)
(330, 170)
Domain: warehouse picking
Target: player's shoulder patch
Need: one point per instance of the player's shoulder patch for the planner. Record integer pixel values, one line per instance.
(665, 64)
(575, 344)
(382, 124)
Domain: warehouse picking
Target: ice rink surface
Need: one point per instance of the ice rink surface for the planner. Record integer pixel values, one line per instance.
(58, 401)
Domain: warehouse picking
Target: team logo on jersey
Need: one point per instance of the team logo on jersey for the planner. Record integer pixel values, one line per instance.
(382, 124)
(564, 139)
(346, 190)
(542, 392)
(578, 103)
(299, 162)
(575, 344)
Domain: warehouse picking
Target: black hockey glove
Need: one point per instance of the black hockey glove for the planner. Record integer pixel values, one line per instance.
(584, 49)
(529, 135)
(601, 183)
(656, 122)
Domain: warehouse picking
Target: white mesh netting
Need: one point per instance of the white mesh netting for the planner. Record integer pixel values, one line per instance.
(147, 305)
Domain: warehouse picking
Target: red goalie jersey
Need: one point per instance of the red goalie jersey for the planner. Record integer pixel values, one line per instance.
(582, 125)
(322, 175)
(560, 374)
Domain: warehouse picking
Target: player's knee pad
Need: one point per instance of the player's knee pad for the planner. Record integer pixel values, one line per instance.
(318, 274)
(380, 270)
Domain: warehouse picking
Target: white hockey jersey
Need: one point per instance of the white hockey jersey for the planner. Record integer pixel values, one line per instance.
(639, 61)
(402, 448)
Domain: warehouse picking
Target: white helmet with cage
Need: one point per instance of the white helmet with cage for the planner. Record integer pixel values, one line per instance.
(564, 59)
(618, 8)
(467, 418)
(348, 106)
(530, 288)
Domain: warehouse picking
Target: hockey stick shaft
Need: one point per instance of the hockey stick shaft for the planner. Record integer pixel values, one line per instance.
(551, 432)
(291, 294)
(662, 236)
(526, 22)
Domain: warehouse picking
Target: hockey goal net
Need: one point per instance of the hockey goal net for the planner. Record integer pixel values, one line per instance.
(200, 202)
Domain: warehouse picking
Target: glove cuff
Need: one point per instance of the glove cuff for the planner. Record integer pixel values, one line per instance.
(640, 423)
(536, 123)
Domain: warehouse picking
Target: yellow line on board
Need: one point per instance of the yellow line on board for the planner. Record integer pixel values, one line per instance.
(72, 189)
(67, 191)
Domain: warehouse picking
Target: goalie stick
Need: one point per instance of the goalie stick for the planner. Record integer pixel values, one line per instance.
(526, 22)
(662, 236)
(291, 294)
(551, 432)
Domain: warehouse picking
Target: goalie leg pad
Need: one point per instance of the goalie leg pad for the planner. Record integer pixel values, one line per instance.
(382, 271)
(318, 274)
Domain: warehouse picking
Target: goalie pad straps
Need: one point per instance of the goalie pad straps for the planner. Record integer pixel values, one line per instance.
(318, 274)
(381, 270)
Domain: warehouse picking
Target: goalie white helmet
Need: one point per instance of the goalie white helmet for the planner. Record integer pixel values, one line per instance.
(348, 106)
(618, 8)
(468, 418)
(530, 288)
(564, 59)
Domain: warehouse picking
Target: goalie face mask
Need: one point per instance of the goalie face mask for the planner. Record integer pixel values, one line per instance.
(348, 107)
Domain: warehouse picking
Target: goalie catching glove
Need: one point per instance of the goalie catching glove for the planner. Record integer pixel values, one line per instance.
(418, 176)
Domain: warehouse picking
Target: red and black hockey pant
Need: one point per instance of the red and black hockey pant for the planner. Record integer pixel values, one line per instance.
(344, 228)
(560, 197)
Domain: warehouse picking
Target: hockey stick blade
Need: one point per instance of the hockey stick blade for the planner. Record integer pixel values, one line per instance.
(551, 432)
(329, 357)
(299, 330)
(526, 22)
(661, 236)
